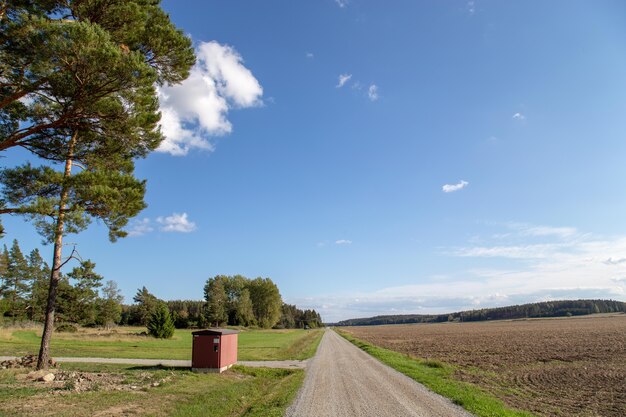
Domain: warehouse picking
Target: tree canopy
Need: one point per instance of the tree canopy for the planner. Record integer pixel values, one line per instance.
(78, 83)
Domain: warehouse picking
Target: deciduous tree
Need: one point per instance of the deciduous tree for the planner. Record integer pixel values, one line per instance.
(215, 296)
(109, 305)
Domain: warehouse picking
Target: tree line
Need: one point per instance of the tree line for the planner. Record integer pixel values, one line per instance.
(228, 300)
(560, 308)
(83, 297)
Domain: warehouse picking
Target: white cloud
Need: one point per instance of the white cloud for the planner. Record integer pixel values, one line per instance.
(576, 266)
(343, 242)
(176, 223)
(197, 109)
(342, 3)
(372, 92)
(343, 79)
(562, 232)
(519, 116)
(471, 7)
(310, 55)
(450, 188)
(140, 227)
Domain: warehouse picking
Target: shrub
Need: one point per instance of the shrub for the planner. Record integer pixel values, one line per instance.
(66, 328)
(160, 324)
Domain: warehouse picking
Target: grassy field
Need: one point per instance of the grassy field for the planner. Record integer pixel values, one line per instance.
(127, 342)
(123, 390)
(111, 390)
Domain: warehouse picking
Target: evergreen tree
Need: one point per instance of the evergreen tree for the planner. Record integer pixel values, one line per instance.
(40, 273)
(92, 70)
(4, 263)
(160, 324)
(85, 292)
(17, 283)
(34, 56)
(146, 303)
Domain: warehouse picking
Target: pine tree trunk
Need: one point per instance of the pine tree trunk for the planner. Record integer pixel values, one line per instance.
(55, 274)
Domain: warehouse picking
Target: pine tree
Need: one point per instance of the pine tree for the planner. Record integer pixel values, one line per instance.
(36, 39)
(16, 282)
(40, 273)
(90, 84)
(147, 304)
(85, 288)
(160, 324)
(4, 263)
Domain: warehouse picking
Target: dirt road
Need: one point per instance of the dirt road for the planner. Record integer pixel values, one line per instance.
(288, 364)
(344, 381)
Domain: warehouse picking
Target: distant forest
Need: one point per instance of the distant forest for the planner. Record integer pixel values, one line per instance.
(534, 310)
(84, 298)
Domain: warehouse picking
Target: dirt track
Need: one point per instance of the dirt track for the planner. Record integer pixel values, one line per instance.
(344, 381)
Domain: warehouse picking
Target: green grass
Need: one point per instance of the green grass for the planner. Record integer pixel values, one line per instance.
(438, 377)
(127, 343)
(239, 392)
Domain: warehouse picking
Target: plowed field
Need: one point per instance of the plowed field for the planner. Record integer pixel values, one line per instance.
(551, 367)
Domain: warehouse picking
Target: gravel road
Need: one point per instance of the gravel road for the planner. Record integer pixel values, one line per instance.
(289, 364)
(344, 381)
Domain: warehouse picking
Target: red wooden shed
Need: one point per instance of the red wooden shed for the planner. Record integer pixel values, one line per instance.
(214, 350)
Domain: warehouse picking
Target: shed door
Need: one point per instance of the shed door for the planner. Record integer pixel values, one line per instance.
(205, 351)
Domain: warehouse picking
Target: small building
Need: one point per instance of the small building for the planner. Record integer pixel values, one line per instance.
(214, 350)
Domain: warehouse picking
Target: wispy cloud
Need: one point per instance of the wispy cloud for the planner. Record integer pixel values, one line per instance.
(195, 110)
(562, 265)
(372, 92)
(310, 55)
(450, 188)
(342, 3)
(176, 223)
(519, 116)
(343, 242)
(140, 227)
(343, 79)
(471, 7)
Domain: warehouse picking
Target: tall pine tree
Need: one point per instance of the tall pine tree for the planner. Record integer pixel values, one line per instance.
(91, 106)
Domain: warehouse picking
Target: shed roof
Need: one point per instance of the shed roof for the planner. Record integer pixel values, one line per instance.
(211, 332)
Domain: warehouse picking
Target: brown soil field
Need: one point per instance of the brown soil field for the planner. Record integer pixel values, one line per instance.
(572, 366)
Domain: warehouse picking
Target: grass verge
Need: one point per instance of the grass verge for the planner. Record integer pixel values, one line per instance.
(438, 377)
(250, 392)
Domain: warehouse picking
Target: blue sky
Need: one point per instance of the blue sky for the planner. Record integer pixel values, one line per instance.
(385, 157)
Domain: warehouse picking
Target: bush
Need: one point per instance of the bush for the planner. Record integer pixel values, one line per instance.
(160, 324)
(66, 328)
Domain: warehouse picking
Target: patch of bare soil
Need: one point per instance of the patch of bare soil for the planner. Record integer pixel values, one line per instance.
(73, 381)
(552, 367)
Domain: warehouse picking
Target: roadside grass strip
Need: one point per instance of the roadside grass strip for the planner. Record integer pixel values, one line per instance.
(242, 391)
(438, 377)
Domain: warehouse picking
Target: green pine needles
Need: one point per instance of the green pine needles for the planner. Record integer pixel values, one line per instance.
(161, 324)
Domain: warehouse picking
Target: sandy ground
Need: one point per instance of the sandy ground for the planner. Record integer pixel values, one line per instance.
(175, 363)
(344, 381)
